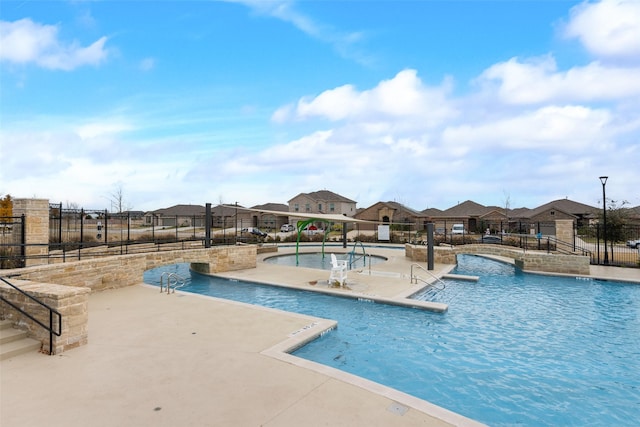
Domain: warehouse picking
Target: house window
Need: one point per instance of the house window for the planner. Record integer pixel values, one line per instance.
(320, 207)
(553, 213)
(307, 207)
(332, 207)
(296, 208)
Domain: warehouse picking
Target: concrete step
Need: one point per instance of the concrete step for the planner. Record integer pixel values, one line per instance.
(14, 342)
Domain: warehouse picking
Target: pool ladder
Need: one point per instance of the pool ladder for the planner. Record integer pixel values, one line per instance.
(174, 281)
(415, 277)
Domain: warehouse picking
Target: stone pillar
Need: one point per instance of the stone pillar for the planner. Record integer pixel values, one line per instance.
(564, 230)
(36, 212)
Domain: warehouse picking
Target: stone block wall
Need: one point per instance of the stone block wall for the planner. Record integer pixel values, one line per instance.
(125, 270)
(71, 302)
(526, 260)
(441, 254)
(554, 263)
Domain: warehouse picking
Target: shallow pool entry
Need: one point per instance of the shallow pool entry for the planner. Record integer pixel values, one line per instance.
(317, 260)
(513, 348)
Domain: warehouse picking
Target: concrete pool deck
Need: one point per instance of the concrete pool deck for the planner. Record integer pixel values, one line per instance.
(187, 360)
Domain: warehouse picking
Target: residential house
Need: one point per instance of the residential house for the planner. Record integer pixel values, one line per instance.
(324, 202)
(269, 220)
(178, 215)
(228, 216)
(542, 219)
(474, 216)
(478, 218)
(392, 213)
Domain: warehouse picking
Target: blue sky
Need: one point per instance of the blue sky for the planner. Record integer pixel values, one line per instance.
(427, 103)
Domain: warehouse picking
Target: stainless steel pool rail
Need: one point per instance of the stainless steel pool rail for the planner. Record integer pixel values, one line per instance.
(415, 278)
(178, 282)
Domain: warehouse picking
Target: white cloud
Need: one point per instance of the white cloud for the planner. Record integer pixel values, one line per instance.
(551, 128)
(402, 98)
(607, 29)
(400, 134)
(25, 41)
(538, 80)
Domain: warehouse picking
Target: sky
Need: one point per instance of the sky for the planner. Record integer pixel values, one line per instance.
(425, 102)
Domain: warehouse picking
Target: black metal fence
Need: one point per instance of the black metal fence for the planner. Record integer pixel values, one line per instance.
(79, 233)
(617, 248)
(12, 241)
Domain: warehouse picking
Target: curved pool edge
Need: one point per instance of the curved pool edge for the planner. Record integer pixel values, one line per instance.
(282, 351)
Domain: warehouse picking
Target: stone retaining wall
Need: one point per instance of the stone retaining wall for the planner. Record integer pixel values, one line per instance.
(71, 302)
(526, 260)
(66, 287)
(124, 270)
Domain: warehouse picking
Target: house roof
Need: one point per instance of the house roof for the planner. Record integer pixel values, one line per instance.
(432, 212)
(520, 213)
(565, 205)
(181, 210)
(224, 210)
(320, 216)
(273, 207)
(465, 209)
(402, 208)
(399, 209)
(325, 196)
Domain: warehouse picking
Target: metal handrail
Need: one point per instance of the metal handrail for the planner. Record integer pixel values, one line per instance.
(572, 247)
(179, 282)
(414, 278)
(352, 254)
(52, 311)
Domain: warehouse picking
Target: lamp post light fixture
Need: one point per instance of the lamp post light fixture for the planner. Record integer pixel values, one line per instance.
(603, 180)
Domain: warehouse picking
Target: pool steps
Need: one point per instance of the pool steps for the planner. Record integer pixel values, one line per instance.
(461, 277)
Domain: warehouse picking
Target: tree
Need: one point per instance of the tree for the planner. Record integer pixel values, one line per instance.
(507, 206)
(617, 219)
(118, 203)
(6, 206)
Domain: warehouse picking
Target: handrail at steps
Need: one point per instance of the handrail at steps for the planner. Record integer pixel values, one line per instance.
(179, 282)
(414, 278)
(572, 248)
(52, 311)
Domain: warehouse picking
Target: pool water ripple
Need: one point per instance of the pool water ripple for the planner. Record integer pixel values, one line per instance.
(513, 349)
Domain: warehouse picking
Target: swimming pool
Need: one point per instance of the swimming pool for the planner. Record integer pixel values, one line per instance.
(317, 260)
(513, 349)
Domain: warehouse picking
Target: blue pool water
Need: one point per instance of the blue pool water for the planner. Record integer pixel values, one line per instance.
(513, 349)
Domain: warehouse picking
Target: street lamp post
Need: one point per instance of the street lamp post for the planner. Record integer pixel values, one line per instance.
(603, 180)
